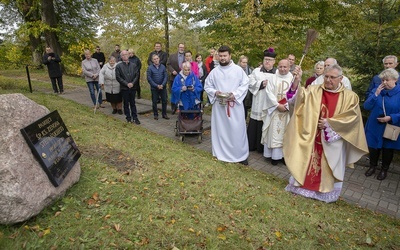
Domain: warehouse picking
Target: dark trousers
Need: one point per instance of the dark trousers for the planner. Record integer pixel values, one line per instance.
(387, 156)
(202, 91)
(159, 93)
(254, 133)
(138, 90)
(128, 96)
(54, 82)
(173, 105)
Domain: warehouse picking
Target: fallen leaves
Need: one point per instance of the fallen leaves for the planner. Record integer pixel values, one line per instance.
(117, 227)
(94, 200)
(278, 235)
(221, 228)
(39, 231)
(221, 237)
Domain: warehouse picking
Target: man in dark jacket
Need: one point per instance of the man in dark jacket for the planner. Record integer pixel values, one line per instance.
(99, 56)
(52, 60)
(174, 64)
(157, 78)
(161, 54)
(126, 73)
(135, 60)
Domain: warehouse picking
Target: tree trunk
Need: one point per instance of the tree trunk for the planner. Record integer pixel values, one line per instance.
(166, 26)
(31, 15)
(49, 18)
(35, 46)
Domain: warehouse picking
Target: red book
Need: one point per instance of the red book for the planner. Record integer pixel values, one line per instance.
(283, 101)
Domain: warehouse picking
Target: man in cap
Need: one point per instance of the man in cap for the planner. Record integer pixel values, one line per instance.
(258, 80)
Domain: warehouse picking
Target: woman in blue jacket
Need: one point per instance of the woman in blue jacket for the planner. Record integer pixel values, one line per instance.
(384, 105)
(186, 89)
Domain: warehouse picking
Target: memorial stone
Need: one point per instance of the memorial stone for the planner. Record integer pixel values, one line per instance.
(25, 188)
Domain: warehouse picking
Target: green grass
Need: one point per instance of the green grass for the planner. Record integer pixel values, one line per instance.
(139, 190)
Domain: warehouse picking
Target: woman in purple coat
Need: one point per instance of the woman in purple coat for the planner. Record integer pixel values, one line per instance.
(384, 105)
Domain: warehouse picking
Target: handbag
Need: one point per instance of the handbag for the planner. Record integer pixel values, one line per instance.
(391, 131)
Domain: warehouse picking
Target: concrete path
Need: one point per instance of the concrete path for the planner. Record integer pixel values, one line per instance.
(366, 192)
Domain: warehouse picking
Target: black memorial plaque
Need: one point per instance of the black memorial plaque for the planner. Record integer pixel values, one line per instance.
(52, 145)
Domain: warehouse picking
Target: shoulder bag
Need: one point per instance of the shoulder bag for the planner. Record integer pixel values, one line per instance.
(391, 131)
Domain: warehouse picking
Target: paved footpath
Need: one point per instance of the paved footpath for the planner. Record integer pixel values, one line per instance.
(366, 192)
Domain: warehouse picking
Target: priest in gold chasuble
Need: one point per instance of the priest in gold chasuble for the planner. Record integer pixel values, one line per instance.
(324, 135)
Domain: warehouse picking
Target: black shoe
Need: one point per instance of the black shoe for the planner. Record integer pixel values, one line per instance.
(155, 117)
(382, 175)
(370, 171)
(245, 162)
(137, 122)
(119, 111)
(165, 117)
(114, 111)
(274, 162)
(283, 161)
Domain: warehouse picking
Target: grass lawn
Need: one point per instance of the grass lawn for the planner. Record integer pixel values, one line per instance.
(139, 190)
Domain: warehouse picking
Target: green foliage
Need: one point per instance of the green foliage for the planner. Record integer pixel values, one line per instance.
(378, 38)
(76, 25)
(13, 55)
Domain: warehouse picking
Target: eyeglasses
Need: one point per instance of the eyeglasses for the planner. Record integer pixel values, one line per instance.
(269, 60)
(332, 77)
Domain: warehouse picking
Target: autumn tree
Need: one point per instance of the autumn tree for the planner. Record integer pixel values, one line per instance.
(138, 24)
(58, 23)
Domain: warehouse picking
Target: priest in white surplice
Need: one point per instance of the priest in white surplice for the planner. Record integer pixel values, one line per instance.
(257, 82)
(276, 114)
(226, 87)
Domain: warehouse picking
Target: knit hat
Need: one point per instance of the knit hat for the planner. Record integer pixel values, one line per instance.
(270, 52)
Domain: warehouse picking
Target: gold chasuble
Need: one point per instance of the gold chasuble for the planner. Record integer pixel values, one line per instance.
(314, 163)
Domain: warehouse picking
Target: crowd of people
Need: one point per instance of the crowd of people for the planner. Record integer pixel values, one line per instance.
(315, 129)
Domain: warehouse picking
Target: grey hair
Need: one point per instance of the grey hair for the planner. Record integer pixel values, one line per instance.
(332, 67)
(319, 63)
(186, 64)
(390, 57)
(389, 74)
(242, 57)
(333, 59)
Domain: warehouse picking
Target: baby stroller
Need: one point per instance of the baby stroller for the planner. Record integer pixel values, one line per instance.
(190, 122)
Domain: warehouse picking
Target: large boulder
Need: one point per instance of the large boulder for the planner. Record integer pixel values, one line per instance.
(25, 189)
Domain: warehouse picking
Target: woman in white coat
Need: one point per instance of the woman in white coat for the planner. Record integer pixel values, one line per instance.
(111, 86)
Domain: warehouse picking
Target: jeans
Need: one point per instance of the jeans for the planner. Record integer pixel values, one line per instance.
(91, 85)
(155, 93)
(54, 84)
(128, 96)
